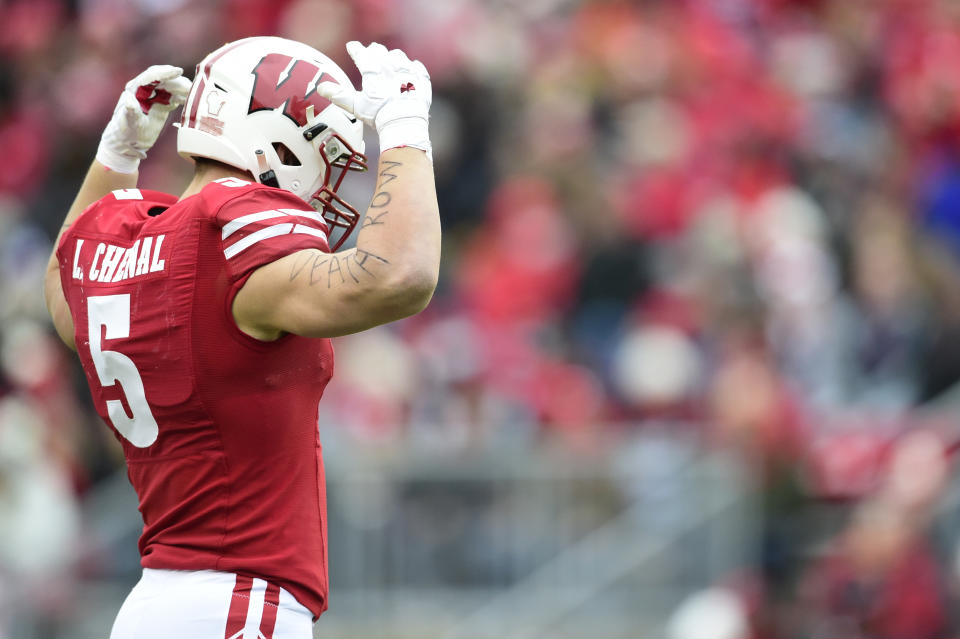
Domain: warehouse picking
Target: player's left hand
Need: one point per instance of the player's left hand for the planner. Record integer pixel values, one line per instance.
(394, 99)
(139, 116)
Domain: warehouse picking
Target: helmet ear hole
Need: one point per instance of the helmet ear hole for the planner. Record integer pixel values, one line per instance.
(287, 157)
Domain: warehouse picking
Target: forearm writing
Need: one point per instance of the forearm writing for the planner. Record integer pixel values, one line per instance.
(354, 266)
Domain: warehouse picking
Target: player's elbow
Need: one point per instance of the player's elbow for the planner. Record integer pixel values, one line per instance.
(421, 287)
(49, 291)
(403, 293)
(410, 291)
(58, 309)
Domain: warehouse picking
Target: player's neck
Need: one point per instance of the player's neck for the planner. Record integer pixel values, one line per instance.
(207, 173)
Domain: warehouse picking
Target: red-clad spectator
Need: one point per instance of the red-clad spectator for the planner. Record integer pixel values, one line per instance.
(522, 267)
(881, 579)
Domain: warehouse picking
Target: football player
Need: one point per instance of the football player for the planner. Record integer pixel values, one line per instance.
(203, 321)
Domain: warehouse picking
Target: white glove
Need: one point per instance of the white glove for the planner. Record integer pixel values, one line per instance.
(395, 97)
(142, 110)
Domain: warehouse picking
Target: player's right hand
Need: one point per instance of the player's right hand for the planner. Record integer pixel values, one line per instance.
(395, 97)
(139, 116)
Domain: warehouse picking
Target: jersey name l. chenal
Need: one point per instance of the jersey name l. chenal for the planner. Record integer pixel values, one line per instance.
(113, 263)
(219, 429)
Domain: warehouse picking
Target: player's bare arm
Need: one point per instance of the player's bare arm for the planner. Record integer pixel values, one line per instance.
(140, 113)
(390, 274)
(393, 270)
(98, 182)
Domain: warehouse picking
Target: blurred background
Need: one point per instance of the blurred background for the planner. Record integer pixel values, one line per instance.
(691, 369)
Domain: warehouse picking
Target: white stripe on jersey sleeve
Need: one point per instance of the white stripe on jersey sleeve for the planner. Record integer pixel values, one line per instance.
(233, 226)
(311, 215)
(253, 238)
(309, 230)
(128, 194)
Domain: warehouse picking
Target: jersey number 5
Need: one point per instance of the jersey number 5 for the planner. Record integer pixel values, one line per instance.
(113, 312)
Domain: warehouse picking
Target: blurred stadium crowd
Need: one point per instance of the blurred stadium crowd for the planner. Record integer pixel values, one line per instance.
(740, 218)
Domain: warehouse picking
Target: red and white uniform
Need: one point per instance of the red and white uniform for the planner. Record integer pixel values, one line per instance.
(208, 604)
(219, 429)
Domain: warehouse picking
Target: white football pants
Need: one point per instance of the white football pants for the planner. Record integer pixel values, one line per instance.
(205, 604)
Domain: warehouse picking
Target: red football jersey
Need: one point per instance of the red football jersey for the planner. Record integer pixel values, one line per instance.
(219, 429)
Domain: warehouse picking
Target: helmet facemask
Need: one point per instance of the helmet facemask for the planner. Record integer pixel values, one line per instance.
(338, 158)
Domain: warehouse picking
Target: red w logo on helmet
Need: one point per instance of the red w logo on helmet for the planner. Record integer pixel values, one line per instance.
(272, 88)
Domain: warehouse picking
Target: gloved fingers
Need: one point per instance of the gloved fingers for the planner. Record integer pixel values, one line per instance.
(343, 97)
(155, 73)
(155, 93)
(398, 60)
(130, 111)
(179, 88)
(419, 69)
(367, 59)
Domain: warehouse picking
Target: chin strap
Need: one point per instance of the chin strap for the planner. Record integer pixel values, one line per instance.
(266, 175)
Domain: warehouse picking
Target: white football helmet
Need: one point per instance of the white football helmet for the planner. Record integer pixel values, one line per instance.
(254, 106)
